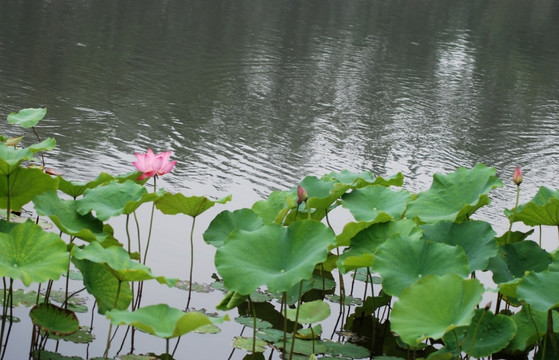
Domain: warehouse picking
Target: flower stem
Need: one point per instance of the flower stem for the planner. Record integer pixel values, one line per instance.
(191, 262)
(150, 220)
(513, 213)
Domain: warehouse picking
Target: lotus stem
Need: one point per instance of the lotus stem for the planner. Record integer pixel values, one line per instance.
(106, 354)
(191, 262)
(150, 220)
(296, 320)
(513, 212)
(10, 303)
(253, 311)
(284, 307)
(9, 200)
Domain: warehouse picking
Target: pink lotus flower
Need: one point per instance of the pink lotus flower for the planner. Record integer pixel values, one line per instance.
(517, 176)
(301, 194)
(151, 164)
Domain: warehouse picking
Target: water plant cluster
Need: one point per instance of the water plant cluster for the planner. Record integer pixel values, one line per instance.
(416, 259)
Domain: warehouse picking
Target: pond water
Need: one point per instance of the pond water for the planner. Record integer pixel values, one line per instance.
(251, 96)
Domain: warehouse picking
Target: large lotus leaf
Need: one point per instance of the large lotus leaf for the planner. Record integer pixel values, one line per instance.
(66, 217)
(22, 185)
(514, 260)
(31, 254)
(272, 255)
(119, 262)
(543, 209)
(226, 221)
(322, 193)
(54, 320)
(359, 180)
(160, 320)
(455, 196)
(366, 242)
(487, 334)
(104, 286)
(11, 158)
(376, 203)
(540, 290)
(434, 306)
(402, 261)
(113, 199)
(275, 207)
(531, 326)
(27, 118)
(477, 238)
(173, 204)
(310, 312)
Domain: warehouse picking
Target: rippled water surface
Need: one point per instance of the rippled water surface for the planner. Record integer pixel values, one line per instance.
(251, 96)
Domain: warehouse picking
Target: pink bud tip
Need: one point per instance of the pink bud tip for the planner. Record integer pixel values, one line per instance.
(517, 176)
(301, 195)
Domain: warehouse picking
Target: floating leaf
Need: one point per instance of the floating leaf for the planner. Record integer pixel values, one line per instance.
(434, 306)
(31, 254)
(477, 238)
(27, 118)
(82, 336)
(543, 209)
(249, 321)
(272, 255)
(456, 196)
(401, 262)
(54, 320)
(47, 355)
(160, 320)
(246, 343)
(226, 221)
(310, 312)
(22, 185)
(173, 204)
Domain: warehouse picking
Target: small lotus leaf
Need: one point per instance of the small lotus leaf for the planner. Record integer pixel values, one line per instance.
(27, 118)
(31, 254)
(543, 209)
(477, 238)
(249, 321)
(275, 207)
(64, 214)
(160, 320)
(246, 343)
(322, 193)
(514, 260)
(231, 300)
(376, 203)
(310, 312)
(82, 336)
(540, 290)
(403, 261)
(455, 196)
(54, 320)
(226, 221)
(119, 262)
(24, 185)
(11, 158)
(487, 334)
(48, 355)
(104, 286)
(434, 306)
(173, 204)
(366, 178)
(275, 256)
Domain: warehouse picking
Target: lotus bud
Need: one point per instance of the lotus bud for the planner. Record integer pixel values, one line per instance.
(517, 176)
(301, 195)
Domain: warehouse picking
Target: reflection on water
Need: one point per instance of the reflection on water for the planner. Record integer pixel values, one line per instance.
(253, 95)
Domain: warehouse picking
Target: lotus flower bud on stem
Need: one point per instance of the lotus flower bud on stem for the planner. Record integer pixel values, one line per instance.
(517, 176)
(301, 195)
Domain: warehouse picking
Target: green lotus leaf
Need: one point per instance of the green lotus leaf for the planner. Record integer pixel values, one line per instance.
(275, 207)
(514, 260)
(272, 255)
(27, 118)
(22, 185)
(359, 180)
(376, 203)
(310, 312)
(104, 286)
(531, 327)
(173, 204)
(543, 209)
(366, 242)
(119, 262)
(335, 349)
(82, 336)
(54, 320)
(434, 306)
(113, 199)
(231, 300)
(160, 320)
(513, 236)
(248, 344)
(539, 290)
(226, 221)
(11, 158)
(31, 254)
(487, 334)
(477, 238)
(403, 261)
(66, 217)
(322, 193)
(456, 196)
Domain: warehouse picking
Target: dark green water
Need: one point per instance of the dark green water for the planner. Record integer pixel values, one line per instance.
(251, 96)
